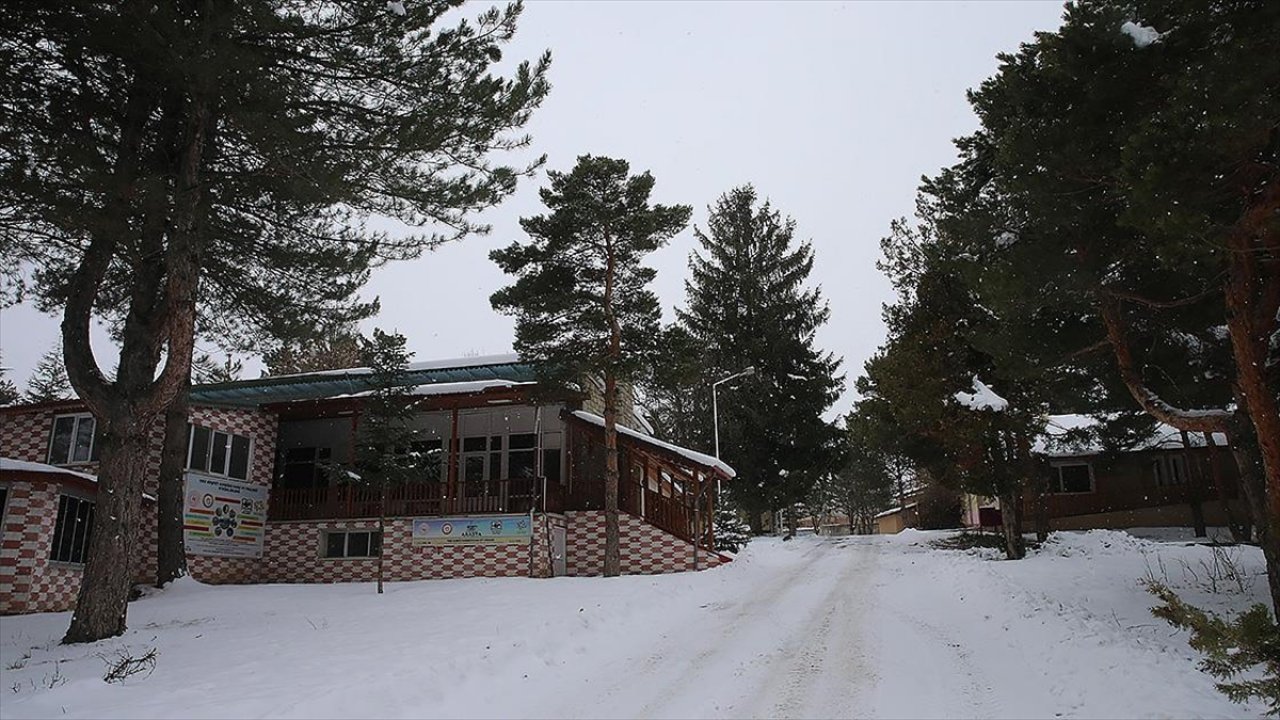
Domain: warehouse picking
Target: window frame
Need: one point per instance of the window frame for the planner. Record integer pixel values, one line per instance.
(228, 453)
(1056, 486)
(59, 528)
(1166, 466)
(375, 549)
(77, 419)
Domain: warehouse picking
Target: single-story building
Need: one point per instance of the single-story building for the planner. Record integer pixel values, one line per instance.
(511, 485)
(1170, 478)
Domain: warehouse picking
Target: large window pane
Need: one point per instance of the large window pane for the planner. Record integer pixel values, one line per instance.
(60, 446)
(199, 449)
(1075, 479)
(239, 457)
(358, 544)
(521, 464)
(522, 442)
(335, 545)
(218, 453)
(551, 464)
(84, 439)
(473, 469)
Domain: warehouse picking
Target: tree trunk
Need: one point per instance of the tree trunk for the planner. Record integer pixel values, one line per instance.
(612, 535)
(1254, 490)
(1240, 531)
(103, 600)
(1193, 485)
(171, 552)
(1011, 519)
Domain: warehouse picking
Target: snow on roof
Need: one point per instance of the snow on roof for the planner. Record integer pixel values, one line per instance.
(35, 467)
(899, 509)
(693, 455)
(12, 465)
(442, 364)
(454, 388)
(1074, 435)
(982, 398)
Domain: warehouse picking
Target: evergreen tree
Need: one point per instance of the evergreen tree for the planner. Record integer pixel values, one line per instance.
(205, 370)
(49, 379)
(864, 485)
(581, 297)
(214, 175)
(385, 451)
(8, 391)
(329, 347)
(747, 305)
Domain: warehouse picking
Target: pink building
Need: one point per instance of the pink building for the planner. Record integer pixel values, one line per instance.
(511, 485)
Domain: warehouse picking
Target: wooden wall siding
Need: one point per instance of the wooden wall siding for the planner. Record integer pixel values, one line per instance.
(646, 550)
(664, 490)
(29, 581)
(1126, 482)
(407, 500)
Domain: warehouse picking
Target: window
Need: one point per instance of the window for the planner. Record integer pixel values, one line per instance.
(218, 453)
(1076, 478)
(72, 531)
(74, 440)
(522, 455)
(1169, 470)
(352, 543)
(303, 468)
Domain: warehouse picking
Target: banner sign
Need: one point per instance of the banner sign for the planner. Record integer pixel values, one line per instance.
(492, 530)
(222, 517)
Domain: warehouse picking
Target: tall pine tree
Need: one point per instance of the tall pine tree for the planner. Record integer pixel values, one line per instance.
(8, 391)
(748, 305)
(209, 169)
(581, 298)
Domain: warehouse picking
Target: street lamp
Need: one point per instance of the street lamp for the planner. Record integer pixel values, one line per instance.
(715, 410)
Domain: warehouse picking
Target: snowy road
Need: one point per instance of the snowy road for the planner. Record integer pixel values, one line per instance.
(815, 628)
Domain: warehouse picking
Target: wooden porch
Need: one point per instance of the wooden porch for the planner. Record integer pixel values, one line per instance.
(412, 500)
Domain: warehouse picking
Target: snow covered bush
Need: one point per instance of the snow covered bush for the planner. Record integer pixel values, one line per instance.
(1239, 647)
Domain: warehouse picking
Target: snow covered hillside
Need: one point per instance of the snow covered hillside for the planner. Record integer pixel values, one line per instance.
(865, 627)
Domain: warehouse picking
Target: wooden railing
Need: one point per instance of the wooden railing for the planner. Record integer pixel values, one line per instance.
(405, 500)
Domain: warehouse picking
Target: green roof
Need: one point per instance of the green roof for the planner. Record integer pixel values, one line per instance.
(335, 383)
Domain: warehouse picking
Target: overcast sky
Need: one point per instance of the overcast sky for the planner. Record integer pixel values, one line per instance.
(833, 110)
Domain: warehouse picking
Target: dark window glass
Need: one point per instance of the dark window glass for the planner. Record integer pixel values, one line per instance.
(522, 442)
(199, 449)
(1074, 479)
(495, 442)
(218, 454)
(72, 531)
(60, 446)
(335, 545)
(551, 464)
(4, 495)
(495, 466)
(239, 457)
(84, 440)
(97, 443)
(521, 464)
(473, 444)
(358, 544)
(473, 469)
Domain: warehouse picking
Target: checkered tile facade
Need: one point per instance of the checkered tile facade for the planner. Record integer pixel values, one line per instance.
(645, 549)
(29, 581)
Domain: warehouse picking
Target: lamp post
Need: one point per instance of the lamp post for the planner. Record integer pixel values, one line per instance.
(715, 410)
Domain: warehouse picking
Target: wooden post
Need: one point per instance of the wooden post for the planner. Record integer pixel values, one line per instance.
(451, 485)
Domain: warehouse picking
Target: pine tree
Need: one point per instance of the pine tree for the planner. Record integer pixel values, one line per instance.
(49, 379)
(748, 306)
(205, 370)
(581, 297)
(225, 163)
(384, 453)
(329, 347)
(8, 391)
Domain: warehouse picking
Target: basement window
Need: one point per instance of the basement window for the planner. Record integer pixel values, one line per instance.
(352, 543)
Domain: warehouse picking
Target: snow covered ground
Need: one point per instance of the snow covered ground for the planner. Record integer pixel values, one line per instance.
(816, 627)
